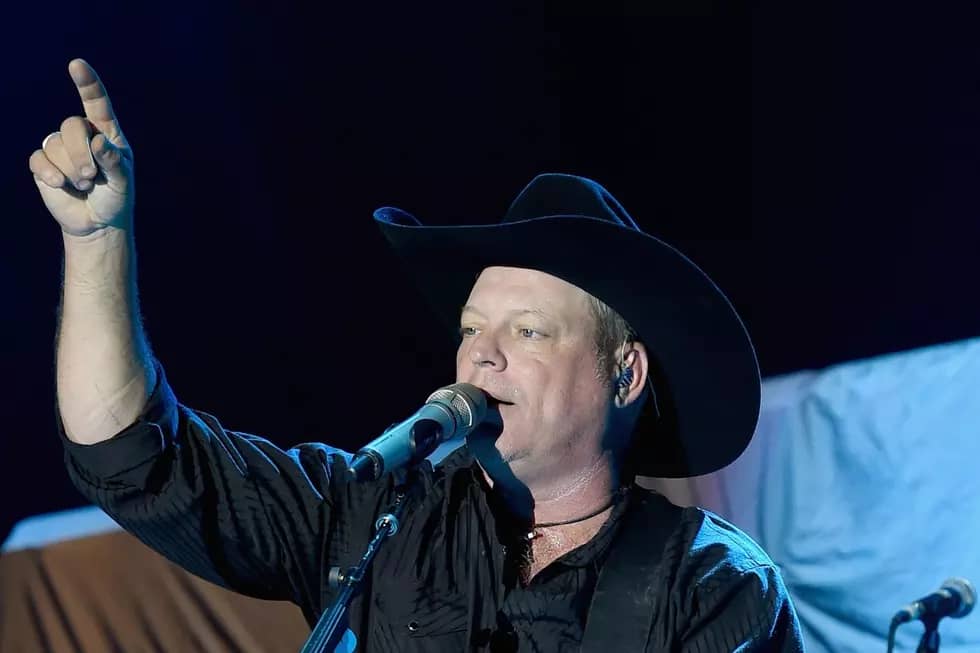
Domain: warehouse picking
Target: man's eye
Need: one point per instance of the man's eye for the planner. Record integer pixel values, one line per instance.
(530, 334)
(466, 331)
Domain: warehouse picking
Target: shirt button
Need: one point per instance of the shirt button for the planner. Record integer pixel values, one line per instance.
(413, 626)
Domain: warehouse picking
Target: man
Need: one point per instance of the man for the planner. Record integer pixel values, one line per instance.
(604, 353)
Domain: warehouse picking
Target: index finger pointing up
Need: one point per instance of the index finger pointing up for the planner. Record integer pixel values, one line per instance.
(98, 109)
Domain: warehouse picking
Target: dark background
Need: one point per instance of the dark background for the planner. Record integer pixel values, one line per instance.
(820, 162)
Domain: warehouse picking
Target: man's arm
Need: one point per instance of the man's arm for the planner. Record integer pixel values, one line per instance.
(103, 362)
(84, 173)
(230, 507)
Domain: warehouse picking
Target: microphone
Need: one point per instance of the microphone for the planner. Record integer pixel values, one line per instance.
(454, 410)
(954, 599)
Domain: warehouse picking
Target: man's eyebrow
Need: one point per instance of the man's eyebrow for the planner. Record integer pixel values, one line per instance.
(516, 311)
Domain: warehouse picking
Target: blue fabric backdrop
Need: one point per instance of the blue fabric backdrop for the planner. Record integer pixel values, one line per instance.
(862, 483)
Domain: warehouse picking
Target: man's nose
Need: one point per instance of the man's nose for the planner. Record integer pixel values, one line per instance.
(486, 352)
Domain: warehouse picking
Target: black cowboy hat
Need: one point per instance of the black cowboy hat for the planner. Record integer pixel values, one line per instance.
(703, 370)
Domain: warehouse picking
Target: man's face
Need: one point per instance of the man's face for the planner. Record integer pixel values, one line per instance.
(528, 338)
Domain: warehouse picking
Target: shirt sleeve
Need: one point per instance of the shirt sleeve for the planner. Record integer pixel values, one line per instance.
(745, 611)
(227, 506)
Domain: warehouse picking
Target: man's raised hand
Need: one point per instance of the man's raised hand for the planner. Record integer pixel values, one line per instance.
(84, 172)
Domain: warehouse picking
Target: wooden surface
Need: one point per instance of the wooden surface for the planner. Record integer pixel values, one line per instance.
(111, 593)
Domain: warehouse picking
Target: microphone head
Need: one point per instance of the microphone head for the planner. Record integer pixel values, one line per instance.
(467, 403)
(964, 589)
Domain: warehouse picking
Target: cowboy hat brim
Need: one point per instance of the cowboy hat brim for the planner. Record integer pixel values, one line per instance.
(704, 371)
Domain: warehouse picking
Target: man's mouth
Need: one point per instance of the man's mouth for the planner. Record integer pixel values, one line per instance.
(493, 402)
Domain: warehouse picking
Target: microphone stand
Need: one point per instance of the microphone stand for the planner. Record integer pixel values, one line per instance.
(328, 633)
(930, 638)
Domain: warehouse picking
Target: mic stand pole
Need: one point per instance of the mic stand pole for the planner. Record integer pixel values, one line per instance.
(930, 639)
(332, 625)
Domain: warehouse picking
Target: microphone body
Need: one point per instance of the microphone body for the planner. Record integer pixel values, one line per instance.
(454, 410)
(955, 599)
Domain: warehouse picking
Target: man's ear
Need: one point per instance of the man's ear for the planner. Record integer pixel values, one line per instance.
(634, 356)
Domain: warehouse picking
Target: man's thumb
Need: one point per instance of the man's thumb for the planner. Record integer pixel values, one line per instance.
(110, 160)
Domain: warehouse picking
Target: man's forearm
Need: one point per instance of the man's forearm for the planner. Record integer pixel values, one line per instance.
(104, 368)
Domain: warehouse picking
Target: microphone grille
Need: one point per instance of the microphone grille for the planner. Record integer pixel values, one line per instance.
(965, 590)
(467, 402)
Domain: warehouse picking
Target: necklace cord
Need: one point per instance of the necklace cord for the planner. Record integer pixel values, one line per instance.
(531, 534)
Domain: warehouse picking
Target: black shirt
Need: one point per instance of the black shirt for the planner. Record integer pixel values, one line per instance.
(235, 509)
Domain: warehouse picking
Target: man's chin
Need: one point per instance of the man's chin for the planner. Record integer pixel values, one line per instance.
(513, 456)
(494, 452)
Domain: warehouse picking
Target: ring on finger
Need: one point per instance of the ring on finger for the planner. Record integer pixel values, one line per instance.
(47, 138)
